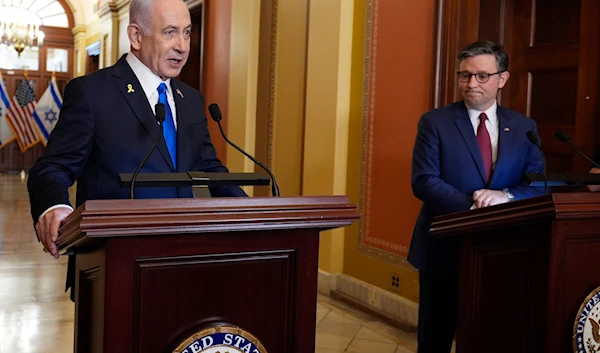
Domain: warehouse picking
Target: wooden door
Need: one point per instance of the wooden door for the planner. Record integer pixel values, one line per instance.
(192, 71)
(553, 46)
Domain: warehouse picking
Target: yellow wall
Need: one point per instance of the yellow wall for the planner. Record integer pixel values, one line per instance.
(316, 143)
(327, 113)
(287, 142)
(243, 71)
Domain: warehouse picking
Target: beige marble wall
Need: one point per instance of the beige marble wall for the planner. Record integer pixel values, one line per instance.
(377, 298)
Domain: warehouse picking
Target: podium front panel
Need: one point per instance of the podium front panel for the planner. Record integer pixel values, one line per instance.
(162, 289)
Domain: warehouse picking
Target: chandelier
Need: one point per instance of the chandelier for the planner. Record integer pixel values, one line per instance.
(20, 29)
(21, 36)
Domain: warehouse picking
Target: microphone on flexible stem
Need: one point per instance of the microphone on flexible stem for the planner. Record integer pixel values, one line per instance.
(565, 138)
(534, 139)
(161, 113)
(215, 114)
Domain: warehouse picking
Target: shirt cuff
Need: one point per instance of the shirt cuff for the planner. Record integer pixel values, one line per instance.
(53, 207)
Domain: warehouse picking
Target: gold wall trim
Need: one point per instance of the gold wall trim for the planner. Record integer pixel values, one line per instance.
(272, 84)
(368, 120)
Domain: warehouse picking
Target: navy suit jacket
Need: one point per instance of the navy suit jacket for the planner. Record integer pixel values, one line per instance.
(447, 168)
(105, 128)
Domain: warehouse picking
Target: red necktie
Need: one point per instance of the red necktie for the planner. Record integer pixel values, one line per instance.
(485, 146)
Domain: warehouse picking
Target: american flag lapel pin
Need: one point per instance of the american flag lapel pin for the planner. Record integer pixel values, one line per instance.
(506, 129)
(179, 93)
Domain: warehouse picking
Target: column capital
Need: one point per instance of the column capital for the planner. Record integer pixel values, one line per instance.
(107, 9)
(79, 31)
(121, 4)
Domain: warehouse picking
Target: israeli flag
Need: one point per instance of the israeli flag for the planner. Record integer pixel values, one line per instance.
(6, 133)
(47, 110)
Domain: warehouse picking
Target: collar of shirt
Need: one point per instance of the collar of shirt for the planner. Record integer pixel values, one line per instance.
(147, 78)
(150, 82)
(491, 112)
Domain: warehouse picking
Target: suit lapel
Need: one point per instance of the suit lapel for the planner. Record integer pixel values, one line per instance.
(466, 129)
(506, 134)
(184, 118)
(132, 91)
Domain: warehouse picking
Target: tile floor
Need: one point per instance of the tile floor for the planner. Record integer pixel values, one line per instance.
(341, 328)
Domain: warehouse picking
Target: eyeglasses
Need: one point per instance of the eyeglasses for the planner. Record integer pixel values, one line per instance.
(481, 77)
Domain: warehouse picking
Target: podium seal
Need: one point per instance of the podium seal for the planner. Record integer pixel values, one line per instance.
(586, 331)
(221, 339)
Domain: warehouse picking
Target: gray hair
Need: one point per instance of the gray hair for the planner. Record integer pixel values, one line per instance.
(483, 48)
(139, 13)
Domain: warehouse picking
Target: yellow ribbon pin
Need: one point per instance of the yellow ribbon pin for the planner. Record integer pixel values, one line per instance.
(130, 88)
(179, 92)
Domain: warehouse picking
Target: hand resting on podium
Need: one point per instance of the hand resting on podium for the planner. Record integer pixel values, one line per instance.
(485, 197)
(47, 227)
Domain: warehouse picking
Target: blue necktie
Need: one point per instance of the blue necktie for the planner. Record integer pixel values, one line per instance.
(168, 125)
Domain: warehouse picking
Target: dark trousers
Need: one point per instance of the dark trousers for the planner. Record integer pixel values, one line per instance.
(437, 309)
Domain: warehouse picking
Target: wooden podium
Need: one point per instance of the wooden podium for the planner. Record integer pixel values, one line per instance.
(149, 273)
(525, 269)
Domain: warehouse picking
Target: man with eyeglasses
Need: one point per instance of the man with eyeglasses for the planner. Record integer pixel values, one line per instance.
(470, 154)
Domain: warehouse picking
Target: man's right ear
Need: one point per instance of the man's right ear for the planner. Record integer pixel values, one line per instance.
(134, 32)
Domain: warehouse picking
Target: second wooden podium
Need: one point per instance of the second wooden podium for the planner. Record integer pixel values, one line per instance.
(527, 269)
(157, 276)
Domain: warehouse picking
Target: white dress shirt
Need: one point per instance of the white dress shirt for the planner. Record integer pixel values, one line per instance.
(150, 83)
(491, 124)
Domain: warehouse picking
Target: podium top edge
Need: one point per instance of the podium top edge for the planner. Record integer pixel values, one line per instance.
(115, 218)
(558, 206)
(213, 203)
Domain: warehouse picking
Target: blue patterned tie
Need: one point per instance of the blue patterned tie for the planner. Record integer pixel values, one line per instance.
(168, 125)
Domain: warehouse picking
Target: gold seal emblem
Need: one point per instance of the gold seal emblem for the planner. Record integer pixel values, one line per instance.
(586, 331)
(221, 339)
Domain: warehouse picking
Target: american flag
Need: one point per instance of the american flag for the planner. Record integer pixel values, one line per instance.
(19, 116)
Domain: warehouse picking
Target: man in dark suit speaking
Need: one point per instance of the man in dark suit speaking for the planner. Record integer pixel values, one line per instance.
(470, 154)
(107, 123)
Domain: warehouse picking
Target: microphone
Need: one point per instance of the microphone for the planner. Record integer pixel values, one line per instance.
(215, 114)
(161, 113)
(565, 138)
(534, 140)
